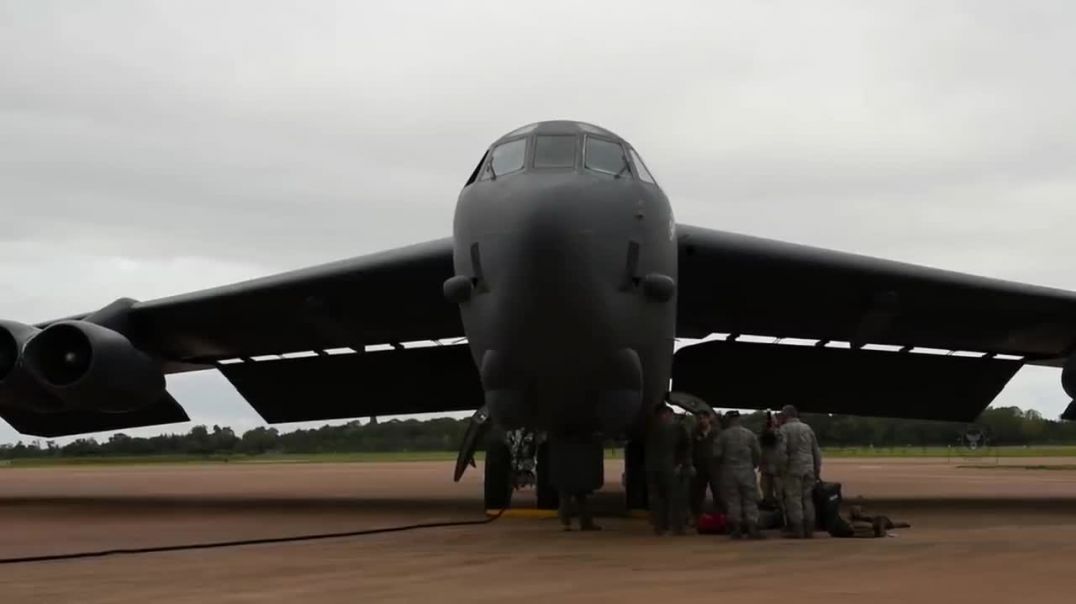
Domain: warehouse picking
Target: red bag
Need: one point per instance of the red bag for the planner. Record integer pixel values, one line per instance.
(712, 524)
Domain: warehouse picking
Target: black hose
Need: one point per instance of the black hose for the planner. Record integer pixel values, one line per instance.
(218, 544)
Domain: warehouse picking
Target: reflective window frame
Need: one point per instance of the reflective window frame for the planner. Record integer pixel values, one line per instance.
(639, 167)
(478, 169)
(623, 155)
(489, 174)
(575, 152)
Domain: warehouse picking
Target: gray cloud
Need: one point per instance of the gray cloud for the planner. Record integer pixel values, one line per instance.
(148, 148)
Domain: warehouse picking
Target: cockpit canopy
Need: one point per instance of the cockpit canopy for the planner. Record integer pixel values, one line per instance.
(561, 146)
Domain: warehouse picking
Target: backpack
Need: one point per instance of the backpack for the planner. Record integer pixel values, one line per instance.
(827, 506)
(712, 524)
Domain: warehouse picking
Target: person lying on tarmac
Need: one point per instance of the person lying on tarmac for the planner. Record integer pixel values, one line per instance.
(878, 524)
(736, 452)
(667, 454)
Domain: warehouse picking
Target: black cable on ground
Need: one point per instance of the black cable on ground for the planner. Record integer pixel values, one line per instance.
(219, 544)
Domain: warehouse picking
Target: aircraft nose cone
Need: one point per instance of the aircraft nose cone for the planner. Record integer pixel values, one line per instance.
(558, 269)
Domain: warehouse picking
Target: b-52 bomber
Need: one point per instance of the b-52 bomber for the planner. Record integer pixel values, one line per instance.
(554, 306)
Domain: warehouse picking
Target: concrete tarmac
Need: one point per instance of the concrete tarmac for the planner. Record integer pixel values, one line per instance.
(980, 534)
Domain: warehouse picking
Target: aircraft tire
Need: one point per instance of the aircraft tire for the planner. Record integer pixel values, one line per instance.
(635, 476)
(498, 476)
(546, 494)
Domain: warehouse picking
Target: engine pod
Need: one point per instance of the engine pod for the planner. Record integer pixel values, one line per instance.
(1068, 377)
(12, 337)
(88, 366)
(17, 388)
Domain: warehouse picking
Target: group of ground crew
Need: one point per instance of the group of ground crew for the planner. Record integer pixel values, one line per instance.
(721, 456)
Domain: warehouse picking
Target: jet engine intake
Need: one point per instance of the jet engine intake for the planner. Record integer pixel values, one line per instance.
(92, 367)
(17, 389)
(11, 342)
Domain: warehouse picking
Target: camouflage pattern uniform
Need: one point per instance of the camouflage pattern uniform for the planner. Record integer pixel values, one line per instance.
(666, 452)
(769, 469)
(736, 452)
(702, 452)
(801, 460)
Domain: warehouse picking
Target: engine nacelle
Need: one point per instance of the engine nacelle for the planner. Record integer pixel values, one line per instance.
(88, 366)
(1068, 377)
(12, 337)
(17, 388)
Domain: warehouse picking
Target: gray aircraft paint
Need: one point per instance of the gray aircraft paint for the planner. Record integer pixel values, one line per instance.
(568, 332)
(559, 321)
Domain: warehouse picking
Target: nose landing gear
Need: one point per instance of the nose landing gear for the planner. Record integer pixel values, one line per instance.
(515, 462)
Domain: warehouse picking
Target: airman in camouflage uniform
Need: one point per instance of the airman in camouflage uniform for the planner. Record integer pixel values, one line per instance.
(667, 446)
(736, 451)
(801, 461)
(769, 470)
(702, 453)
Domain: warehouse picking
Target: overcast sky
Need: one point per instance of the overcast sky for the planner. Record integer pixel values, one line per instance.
(150, 148)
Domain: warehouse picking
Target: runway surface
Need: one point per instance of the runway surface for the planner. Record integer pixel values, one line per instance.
(980, 534)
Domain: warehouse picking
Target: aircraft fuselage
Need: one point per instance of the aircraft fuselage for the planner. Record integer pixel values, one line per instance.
(571, 313)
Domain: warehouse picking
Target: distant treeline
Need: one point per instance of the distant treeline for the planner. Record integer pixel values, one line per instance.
(1003, 426)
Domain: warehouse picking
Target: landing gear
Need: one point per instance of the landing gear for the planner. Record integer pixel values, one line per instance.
(635, 476)
(548, 498)
(498, 478)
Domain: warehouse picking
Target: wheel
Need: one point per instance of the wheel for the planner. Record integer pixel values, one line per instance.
(498, 479)
(546, 494)
(635, 476)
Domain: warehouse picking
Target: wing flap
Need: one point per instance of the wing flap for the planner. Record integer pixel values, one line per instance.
(415, 380)
(838, 380)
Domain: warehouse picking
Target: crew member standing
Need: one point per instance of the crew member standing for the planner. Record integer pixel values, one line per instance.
(768, 468)
(736, 452)
(801, 461)
(582, 509)
(702, 452)
(666, 446)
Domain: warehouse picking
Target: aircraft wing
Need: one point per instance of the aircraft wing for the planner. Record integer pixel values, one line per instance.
(383, 298)
(820, 299)
(270, 338)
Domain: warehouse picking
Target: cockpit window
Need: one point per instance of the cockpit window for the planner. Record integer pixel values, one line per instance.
(507, 157)
(605, 156)
(474, 175)
(640, 168)
(554, 152)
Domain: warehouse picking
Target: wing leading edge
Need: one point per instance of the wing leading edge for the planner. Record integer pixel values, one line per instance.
(387, 297)
(390, 297)
(736, 284)
(741, 285)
